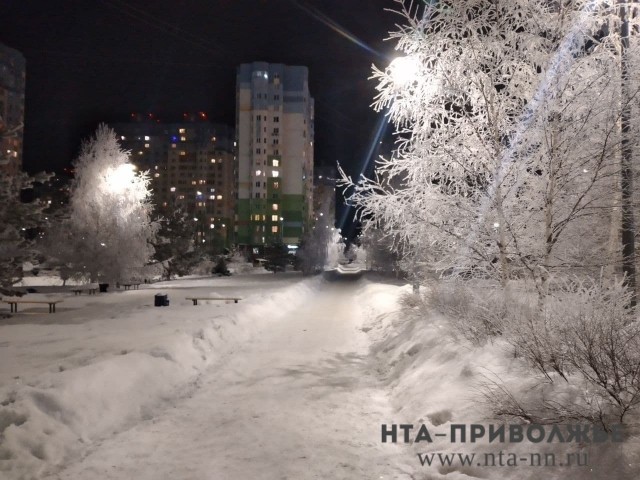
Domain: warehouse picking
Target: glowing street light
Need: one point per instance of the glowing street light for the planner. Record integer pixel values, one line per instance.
(120, 178)
(404, 70)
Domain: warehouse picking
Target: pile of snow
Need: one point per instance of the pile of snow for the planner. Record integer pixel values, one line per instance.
(435, 380)
(66, 385)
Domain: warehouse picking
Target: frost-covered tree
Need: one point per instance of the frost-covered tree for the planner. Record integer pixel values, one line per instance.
(508, 128)
(109, 222)
(16, 218)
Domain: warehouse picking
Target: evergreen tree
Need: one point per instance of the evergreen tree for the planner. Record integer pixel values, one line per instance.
(17, 217)
(175, 247)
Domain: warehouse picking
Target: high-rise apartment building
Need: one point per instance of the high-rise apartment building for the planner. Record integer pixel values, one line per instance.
(192, 167)
(274, 131)
(12, 82)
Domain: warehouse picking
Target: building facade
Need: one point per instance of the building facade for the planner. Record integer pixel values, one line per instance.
(12, 84)
(192, 167)
(274, 132)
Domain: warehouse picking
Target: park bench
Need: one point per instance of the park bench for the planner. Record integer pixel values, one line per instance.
(13, 304)
(195, 299)
(89, 290)
(127, 286)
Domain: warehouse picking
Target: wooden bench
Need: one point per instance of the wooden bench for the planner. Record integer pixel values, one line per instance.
(89, 290)
(195, 299)
(127, 286)
(13, 304)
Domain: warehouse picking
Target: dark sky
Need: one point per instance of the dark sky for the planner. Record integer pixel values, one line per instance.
(99, 60)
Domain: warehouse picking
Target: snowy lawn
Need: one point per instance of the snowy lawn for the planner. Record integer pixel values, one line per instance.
(104, 362)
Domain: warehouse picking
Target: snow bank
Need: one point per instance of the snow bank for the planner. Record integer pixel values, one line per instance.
(49, 417)
(435, 379)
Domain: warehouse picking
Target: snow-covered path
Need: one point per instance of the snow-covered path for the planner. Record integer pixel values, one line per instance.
(297, 402)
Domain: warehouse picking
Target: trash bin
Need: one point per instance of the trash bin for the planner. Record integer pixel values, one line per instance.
(103, 287)
(161, 300)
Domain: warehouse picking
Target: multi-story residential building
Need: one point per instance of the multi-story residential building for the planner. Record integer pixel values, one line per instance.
(191, 164)
(12, 83)
(274, 131)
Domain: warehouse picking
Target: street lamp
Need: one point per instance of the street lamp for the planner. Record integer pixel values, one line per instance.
(11, 133)
(118, 179)
(404, 70)
(282, 229)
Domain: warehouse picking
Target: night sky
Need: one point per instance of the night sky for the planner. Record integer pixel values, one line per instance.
(90, 61)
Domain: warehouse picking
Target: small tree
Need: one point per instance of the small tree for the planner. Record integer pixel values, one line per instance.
(16, 218)
(277, 256)
(175, 247)
(109, 221)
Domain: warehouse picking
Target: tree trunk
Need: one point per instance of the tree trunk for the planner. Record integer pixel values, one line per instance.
(628, 223)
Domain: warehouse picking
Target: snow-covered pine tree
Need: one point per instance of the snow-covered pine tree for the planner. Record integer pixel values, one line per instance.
(175, 246)
(110, 212)
(16, 218)
(506, 115)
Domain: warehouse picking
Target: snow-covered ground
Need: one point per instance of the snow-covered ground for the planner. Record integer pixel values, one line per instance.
(293, 382)
(103, 363)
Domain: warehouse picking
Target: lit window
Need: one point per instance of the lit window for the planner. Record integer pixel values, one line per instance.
(274, 218)
(276, 185)
(173, 189)
(274, 207)
(157, 175)
(194, 182)
(182, 153)
(146, 145)
(276, 163)
(212, 197)
(275, 173)
(123, 137)
(183, 139)
(213, 160)
(140, 152)
(182, 130)
(274, 229)
(173, 145)
(219, 197)
(146, 137)
(258, 173)
(211, 226)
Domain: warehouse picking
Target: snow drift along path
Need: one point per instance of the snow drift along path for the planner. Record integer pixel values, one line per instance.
(298, 401)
